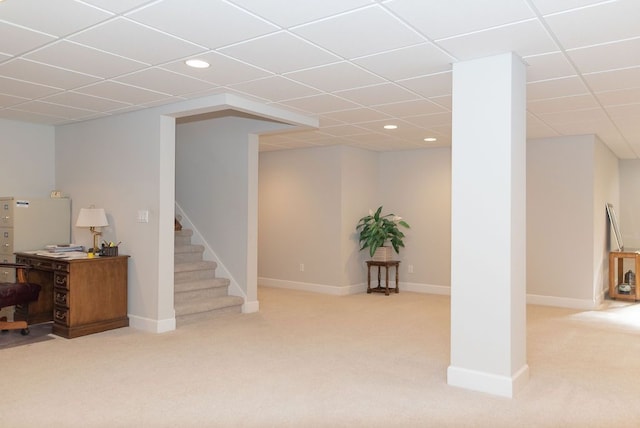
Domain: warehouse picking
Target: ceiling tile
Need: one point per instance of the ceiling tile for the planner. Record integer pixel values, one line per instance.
(287, 13)
(579, 102)
(407, 62)
(222, 71)
(555, 88)
(21, 89)
(322, 103)
(609, 56)
(357, 33)
(558, 119)
(70, 15)
(626, 110)
(356, 116)
(212, 23)
(275, 88)
(335, 77)
(548, 66)
(524, 38)
(17, 40)
(49, 109)
(410, 108)
(626, 96)
(131, 40)
(440, 19)
(8, 100)
(121, 92)
(117, 6)
(430, 120)
(536, 128)
(44, 74)
(606, 22)
(377, 94)
(280, 52)
(614, 80)
(433, 85)
(445, 101)
(84, 101)
(552, 6)
(83, 59)
(24, 116)
(345, 130)
(167, 82)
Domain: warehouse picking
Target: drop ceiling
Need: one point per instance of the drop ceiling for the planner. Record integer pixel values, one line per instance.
(354, 64)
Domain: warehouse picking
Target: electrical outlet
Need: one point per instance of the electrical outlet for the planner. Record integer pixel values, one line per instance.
(301, 267)
(410, 268)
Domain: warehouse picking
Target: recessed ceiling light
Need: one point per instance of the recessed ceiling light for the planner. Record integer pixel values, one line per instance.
(197, 63)
(390, 126)
(430, 139)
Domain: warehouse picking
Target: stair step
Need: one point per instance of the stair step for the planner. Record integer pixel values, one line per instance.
(183, 237)
(188, 253)
(183, 287)
(195, 266)
(198, 294)
(193, 309)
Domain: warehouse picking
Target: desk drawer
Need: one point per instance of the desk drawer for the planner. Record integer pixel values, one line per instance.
(61, 280)
(47, 265)
(60, 297)
(61, 315)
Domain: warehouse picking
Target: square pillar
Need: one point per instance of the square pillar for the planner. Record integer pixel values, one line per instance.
(488, 226)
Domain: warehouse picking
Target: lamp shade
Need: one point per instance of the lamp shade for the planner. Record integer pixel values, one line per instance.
(92, 217)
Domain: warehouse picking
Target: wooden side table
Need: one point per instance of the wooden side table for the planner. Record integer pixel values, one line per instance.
(385, 265)
(616, 273)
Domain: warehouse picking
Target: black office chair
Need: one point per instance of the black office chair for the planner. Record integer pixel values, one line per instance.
(20, 292)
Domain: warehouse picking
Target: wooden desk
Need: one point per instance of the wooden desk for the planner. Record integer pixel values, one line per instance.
(81, 296)
(385, 265)
(616, 275)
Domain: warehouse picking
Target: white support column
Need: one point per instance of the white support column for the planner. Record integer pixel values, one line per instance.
(488, 228)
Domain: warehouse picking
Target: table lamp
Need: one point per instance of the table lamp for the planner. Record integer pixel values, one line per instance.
(92, 218)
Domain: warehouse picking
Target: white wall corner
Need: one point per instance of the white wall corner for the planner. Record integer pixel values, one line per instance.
(250, 307)
(503, 386)
(152, 326)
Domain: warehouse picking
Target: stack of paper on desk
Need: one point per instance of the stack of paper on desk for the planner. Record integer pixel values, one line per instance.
(64, 248)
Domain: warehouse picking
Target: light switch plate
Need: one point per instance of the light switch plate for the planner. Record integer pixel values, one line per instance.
(143, 216)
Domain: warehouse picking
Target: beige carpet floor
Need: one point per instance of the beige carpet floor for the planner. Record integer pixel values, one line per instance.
(310, 360)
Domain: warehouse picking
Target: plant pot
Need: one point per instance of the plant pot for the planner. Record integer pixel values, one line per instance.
(383, 254)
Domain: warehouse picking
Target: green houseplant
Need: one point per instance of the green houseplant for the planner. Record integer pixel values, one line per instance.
(376, 229)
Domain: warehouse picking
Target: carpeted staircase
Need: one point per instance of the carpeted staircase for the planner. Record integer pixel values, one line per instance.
(198, 293)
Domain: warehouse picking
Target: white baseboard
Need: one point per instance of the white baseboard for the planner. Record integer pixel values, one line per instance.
(250, 307)
(562, 302)
(425, 288)
(152, 326)
(503, 386)
(532, 299)
(315, 288)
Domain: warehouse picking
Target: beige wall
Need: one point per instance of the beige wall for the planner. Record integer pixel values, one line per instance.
(28, 159)
(300, 217)
(559, 217)
(567, 178)
(416, 184)
(629, 211)
(359, 193)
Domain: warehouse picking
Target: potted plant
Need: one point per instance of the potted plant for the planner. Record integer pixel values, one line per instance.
(376, 229)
